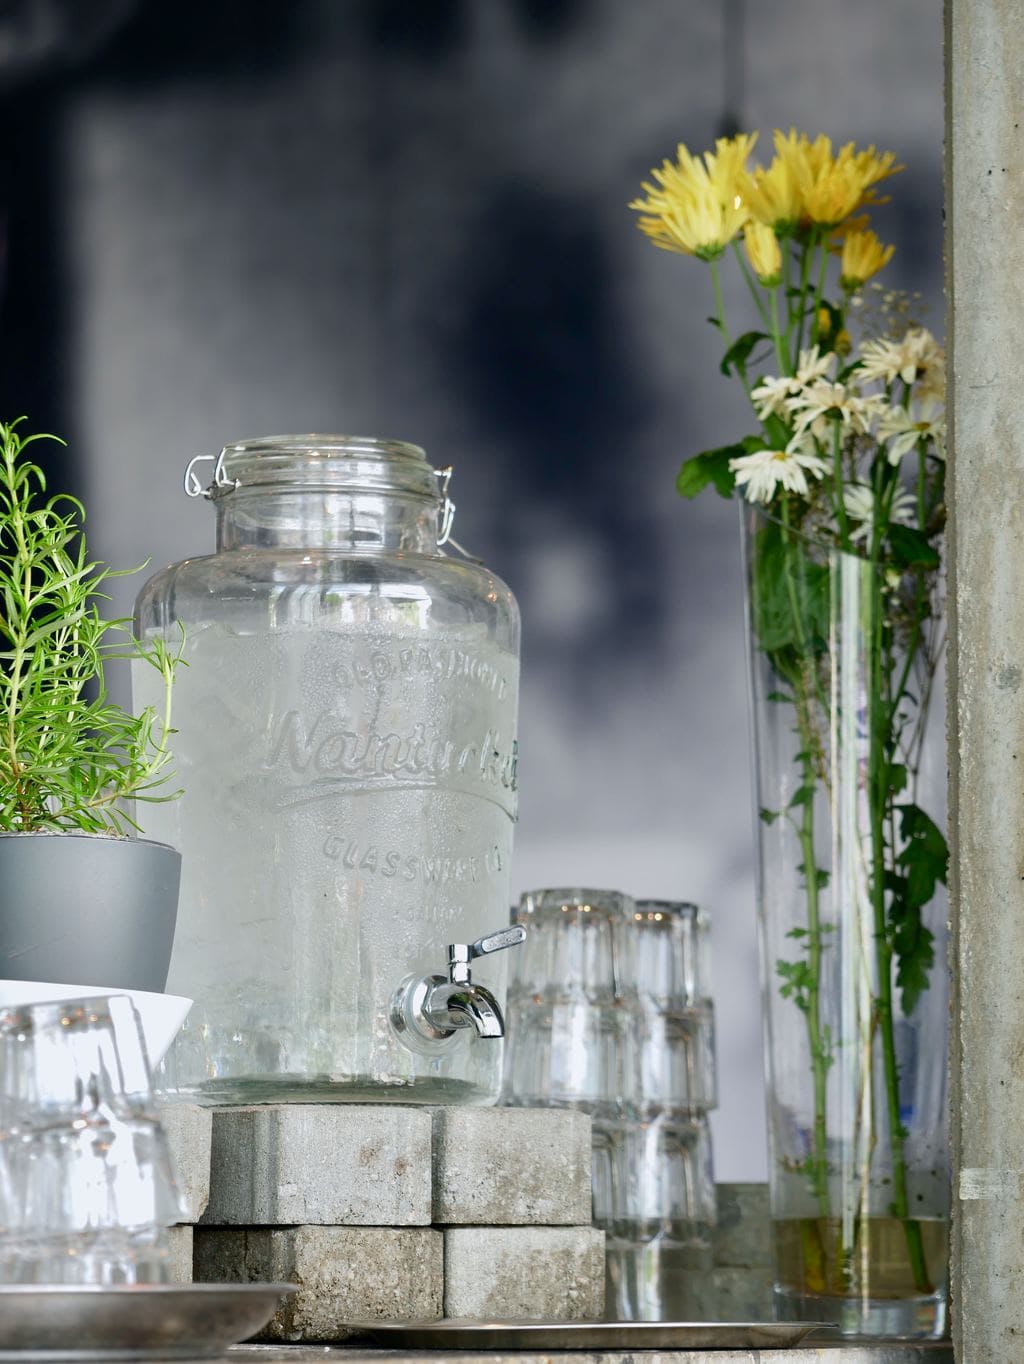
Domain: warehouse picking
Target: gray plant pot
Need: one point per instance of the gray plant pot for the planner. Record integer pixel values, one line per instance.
(87, 909)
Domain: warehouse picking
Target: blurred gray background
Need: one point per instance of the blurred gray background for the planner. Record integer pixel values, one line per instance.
(407, 218)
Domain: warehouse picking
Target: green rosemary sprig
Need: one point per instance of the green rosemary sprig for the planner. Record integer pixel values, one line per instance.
(70, 758)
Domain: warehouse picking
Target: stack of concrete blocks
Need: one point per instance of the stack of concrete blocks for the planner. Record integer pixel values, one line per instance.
(737, 1285)
(389, 1213)
(189, 1131)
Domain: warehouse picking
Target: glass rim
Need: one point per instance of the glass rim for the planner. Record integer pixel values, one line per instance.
(667, 912)
(97, 1006)
(328, 462)
(580, 901)
(329, 444)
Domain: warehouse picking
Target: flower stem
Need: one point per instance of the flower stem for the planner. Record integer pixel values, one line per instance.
(818, 1164)
(716, 284)
(778, 338)
(805, 270)
(837, 477)
(880, 711)
(755, 293)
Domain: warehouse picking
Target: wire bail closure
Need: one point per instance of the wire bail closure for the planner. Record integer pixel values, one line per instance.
(221, 483)
(444, 478)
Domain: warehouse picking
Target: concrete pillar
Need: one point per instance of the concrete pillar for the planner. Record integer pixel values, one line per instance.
(985, 284)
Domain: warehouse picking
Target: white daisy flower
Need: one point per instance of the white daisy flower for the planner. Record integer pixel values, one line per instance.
(859, 501)
(772, 395)
(916, 356)
(902, 429)
(762, 471)
(813, 366)
(823, 403)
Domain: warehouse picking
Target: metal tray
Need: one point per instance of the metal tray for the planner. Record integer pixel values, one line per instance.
(52, 1322)
(456, 1334)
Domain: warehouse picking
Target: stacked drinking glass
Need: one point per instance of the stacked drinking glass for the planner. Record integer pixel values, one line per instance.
(609, 1012)
(86, 1189)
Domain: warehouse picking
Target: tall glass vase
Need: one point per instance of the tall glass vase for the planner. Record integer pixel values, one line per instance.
(846, 659)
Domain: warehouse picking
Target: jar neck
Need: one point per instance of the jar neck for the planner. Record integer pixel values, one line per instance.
(348, 493)
(351, 522)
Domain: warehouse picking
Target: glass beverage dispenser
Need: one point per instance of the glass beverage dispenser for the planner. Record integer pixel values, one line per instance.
(344, 733)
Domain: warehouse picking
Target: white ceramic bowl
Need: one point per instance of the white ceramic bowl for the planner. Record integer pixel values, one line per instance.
(161, 1015)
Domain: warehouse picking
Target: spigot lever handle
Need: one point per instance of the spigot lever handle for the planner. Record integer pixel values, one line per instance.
(460, 954)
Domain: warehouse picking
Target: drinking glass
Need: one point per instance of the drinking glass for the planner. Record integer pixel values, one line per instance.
(656, 1182)
(654, 1194)
(673, 953)
(572, 1054)
(61, 1057)
(677, 1060)
(576, 947)
(572, 1022)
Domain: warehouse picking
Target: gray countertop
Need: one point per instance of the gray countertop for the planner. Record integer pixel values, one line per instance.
(838, 1353)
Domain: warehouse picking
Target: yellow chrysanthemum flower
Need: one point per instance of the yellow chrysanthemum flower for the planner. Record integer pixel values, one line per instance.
(832, 185)
(695, 207)
(863, 256)
(773, 195)
(763, 253)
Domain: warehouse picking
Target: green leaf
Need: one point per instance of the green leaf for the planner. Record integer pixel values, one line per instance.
(798, 981)
(914, 948)
(922, 864)
(739, 352)
(777, 435)
(897, 778)
(924, 853)
(767, 816)
(821, 877)
(711, 466)
(911, 547)
(789, 599)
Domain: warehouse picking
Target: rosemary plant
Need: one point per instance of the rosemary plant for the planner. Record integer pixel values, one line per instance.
(70, 759)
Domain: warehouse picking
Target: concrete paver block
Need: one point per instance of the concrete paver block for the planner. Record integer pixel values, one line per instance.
(180, 1242)
(531, 1273)
(343, 1274)
(188, 1128)
(324, 1164)
(725, 1294)
(742, 1237)
(511, 1166)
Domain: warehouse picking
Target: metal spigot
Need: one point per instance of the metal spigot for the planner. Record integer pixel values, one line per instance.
(431, 1009)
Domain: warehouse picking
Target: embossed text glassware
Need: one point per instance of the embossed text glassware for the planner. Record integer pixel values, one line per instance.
(346, 743)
